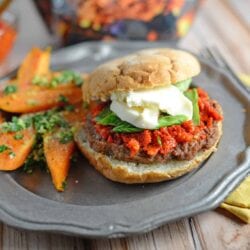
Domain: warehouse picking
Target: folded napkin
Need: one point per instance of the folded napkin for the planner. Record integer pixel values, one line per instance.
(238, 202)
(245, 79)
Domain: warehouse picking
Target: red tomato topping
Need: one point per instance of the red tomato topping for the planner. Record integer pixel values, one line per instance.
(133, 146)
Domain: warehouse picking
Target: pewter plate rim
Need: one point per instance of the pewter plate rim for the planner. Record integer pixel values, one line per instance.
(27, 218)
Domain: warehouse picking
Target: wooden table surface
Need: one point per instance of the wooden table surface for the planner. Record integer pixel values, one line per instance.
(219, 23)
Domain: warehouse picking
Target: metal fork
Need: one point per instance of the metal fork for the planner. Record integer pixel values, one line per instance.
(214, 55)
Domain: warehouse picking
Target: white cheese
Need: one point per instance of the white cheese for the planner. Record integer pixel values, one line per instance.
(139, 117)
(142, 108)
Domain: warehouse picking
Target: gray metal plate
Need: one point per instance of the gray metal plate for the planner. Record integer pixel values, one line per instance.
(93, 206)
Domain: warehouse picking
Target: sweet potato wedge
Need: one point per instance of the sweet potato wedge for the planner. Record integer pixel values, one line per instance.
(34, 100)
(58, 156)
(35, 63)
(15, 149)
(77, 115)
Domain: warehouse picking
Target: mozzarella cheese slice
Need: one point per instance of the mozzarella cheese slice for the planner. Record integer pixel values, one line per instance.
(142, 108)
(140, 117)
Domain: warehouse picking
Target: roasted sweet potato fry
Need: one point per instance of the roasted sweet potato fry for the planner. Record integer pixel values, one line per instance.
(35, 63)
(34, 100)
(58, 156)
(14, 148)
(77, 115)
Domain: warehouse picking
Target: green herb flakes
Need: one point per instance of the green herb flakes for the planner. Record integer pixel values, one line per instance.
(18, 136)
(10, 89)
(66, 136)
(12, 154)
(63, 99)
(32, 102)
(64, 185)
(46, 122)
(65, 77)
(15, 125)
(3, 148)
(69, 108)
(36, 158)
(41, 81)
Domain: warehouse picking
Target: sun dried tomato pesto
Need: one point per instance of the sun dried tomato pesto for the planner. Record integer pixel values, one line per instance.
(164, 140)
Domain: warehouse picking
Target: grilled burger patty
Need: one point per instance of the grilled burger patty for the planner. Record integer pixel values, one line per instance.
(183, 151)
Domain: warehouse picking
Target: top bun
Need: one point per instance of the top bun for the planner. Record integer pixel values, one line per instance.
(144, 69)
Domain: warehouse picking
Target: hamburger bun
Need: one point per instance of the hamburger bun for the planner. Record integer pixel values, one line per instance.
(131, 173)
(143, 70)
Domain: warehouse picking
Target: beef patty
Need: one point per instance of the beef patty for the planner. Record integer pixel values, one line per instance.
(183, 151)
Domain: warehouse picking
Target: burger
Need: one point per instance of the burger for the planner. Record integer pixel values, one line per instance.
(146, 122)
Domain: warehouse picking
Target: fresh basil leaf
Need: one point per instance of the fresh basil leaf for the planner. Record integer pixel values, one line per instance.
(125, 127)
(183, 85)
(102, 114)
(107, 117)
(192, 95)
(111, 119)
(168, 120)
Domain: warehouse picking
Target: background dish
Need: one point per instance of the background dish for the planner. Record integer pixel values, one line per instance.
(93, 206)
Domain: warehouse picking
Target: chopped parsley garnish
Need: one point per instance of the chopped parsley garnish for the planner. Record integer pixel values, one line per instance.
(3, 148)
(18, 136)
(40, 81)
(63, 99)
(15, 125)
(78, 80)
(66, 136)
(64, 185)
(32, 102)
(10, 89)
(43, 123)
(36, 158)
(64, 77)
(12, 154)
(69, 108)
(46, 122)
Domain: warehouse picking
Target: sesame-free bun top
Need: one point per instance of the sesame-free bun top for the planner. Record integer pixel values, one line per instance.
(144, 69)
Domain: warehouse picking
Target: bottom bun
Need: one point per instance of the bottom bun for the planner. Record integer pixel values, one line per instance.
(130, 173)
